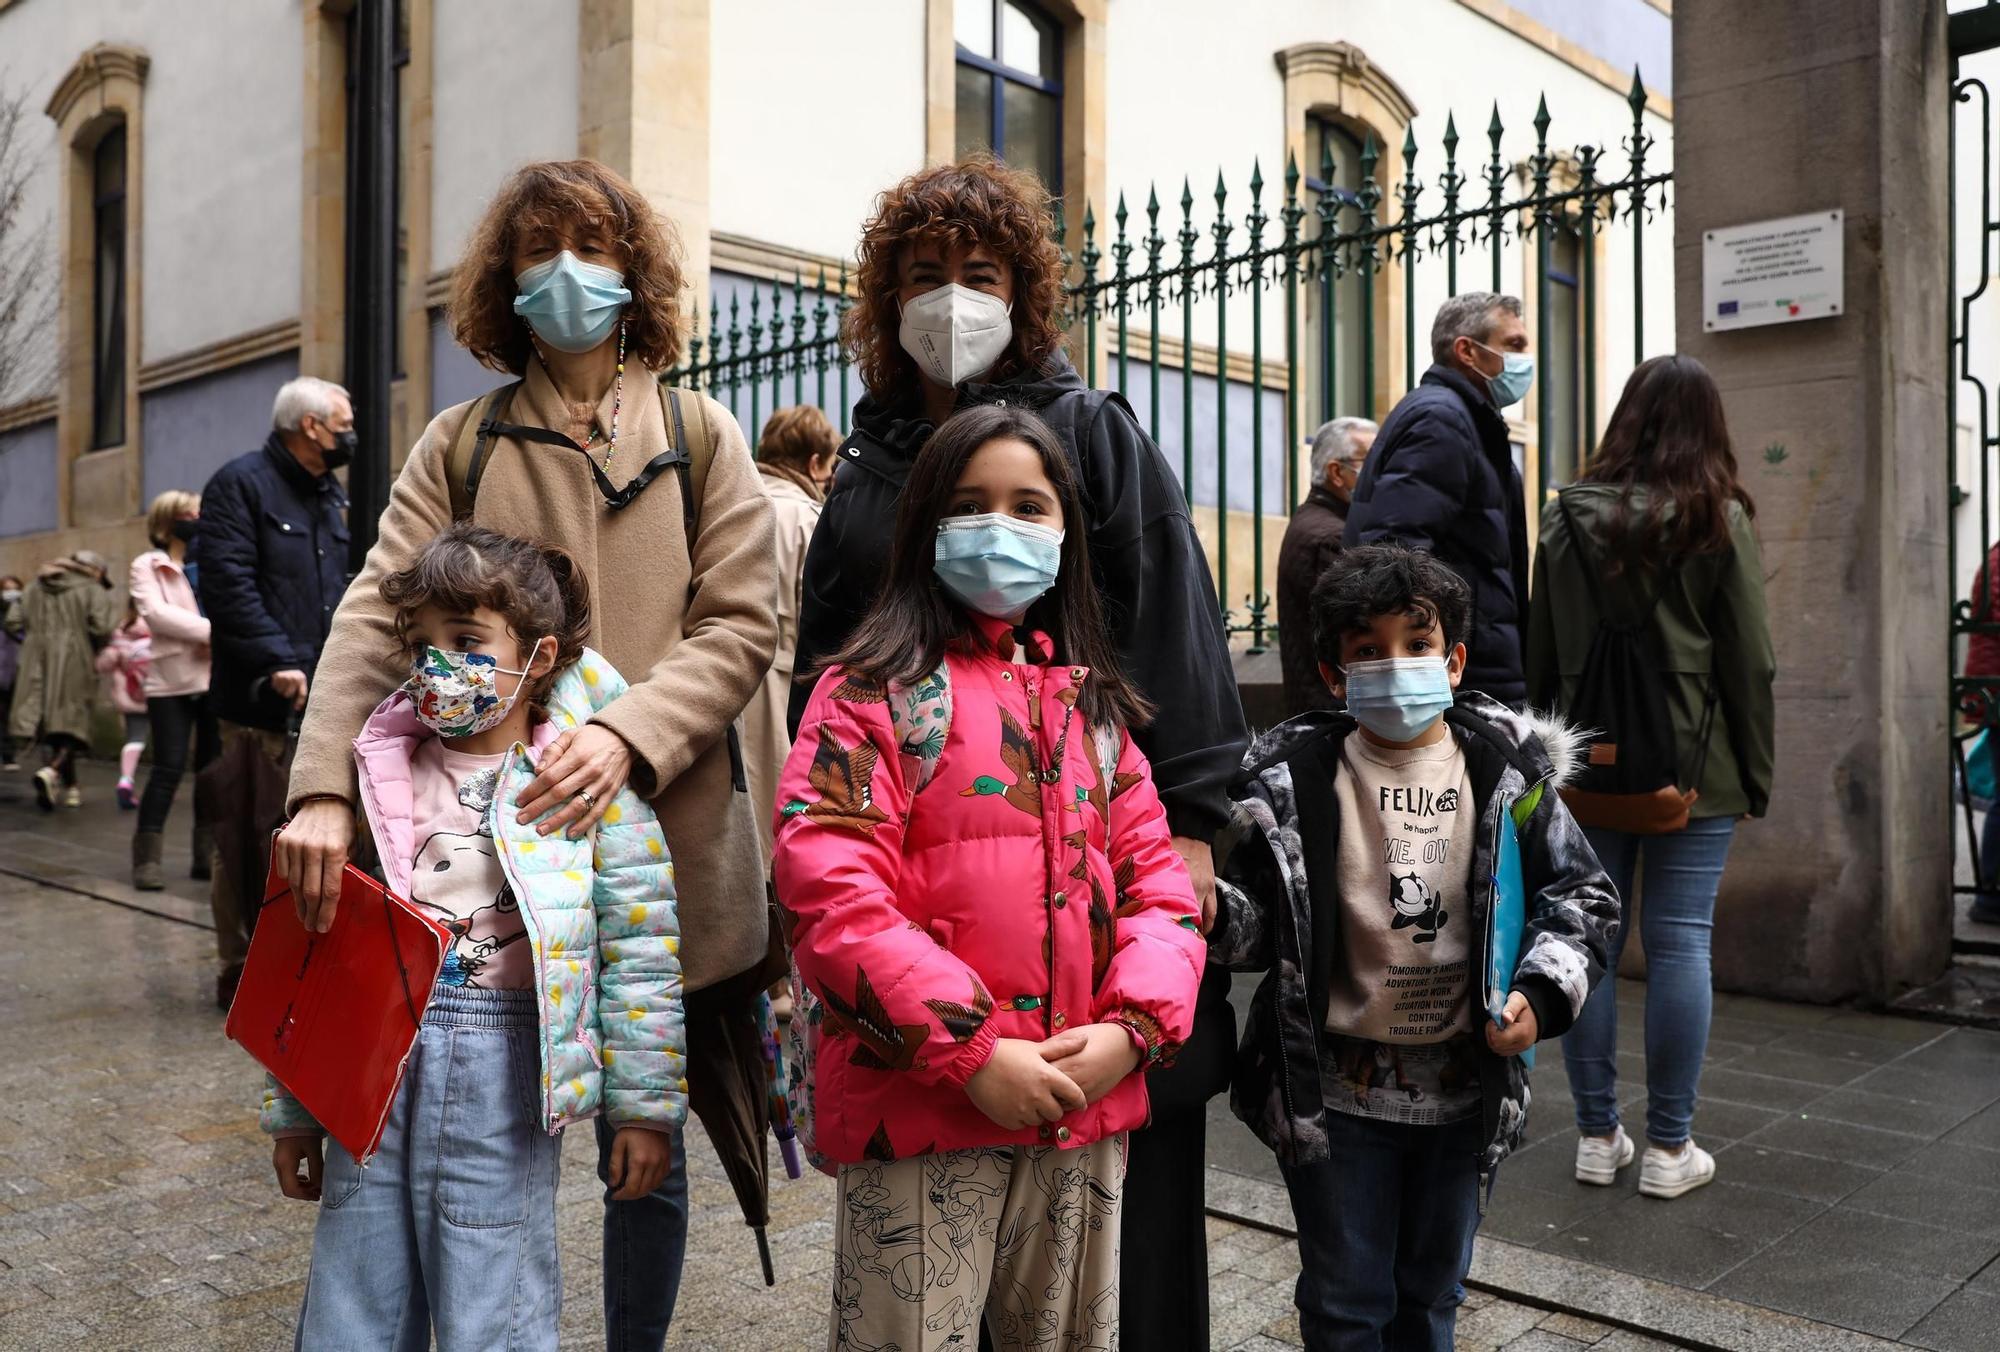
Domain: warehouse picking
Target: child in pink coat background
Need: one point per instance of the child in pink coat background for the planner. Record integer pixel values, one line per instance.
(988, 910)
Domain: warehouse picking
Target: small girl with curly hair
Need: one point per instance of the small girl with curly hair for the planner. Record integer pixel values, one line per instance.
(560, 997)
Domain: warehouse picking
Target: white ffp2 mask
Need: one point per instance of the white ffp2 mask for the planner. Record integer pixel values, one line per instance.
(955, 333)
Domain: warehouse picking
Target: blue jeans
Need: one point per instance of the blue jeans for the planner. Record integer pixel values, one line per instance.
(452, 1226)
(645, 1242)
(1676, 916)
(1385, 1234)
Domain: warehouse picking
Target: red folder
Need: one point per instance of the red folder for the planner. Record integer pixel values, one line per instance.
(333, 1016)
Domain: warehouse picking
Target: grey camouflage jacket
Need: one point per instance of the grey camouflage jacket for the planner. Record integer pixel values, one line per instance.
(1277, 912)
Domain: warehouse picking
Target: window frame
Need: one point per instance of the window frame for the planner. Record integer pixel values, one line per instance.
(1003, 74)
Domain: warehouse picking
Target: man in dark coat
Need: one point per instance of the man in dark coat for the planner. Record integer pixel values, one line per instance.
(1442, 479)
(1312, 538)
(273, 564)
(960, 304)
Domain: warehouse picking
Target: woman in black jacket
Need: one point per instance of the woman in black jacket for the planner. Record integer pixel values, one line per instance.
(961, 303)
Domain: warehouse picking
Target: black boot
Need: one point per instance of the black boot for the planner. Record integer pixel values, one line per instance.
(203, 850)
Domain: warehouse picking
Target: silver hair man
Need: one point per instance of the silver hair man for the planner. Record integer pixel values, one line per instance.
(1470, 314)
(1340, 439)
(307, 397)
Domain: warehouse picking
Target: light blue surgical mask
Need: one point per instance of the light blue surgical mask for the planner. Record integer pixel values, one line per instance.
(570, 304)
(1399, 698)
(995, 564)
(1517, 373)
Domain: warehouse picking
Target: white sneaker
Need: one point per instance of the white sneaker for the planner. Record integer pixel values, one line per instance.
(72, 796)
(1669, 1173)
(48, 785)
(1598, 1160)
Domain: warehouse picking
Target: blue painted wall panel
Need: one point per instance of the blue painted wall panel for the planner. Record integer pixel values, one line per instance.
(195, 427)
(456, 375)
(28, 479)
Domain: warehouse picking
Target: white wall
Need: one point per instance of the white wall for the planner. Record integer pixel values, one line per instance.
(504, 94)
(816, 108)
(219, 248)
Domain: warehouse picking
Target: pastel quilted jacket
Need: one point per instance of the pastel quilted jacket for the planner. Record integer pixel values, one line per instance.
(1019, 891)
(600, 914)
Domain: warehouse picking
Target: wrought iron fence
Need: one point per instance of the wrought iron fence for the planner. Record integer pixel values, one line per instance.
(1145, 286)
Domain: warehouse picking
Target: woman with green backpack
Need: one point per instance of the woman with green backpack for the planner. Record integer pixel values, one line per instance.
(1648, 624)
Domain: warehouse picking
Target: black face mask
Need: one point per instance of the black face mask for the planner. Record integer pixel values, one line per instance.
(184, 531)
(344, 446)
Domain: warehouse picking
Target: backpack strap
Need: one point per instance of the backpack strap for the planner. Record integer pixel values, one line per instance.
(697, 453)
(465, 461)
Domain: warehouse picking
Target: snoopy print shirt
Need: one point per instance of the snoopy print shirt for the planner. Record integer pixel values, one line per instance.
(1400, 1008)
(457, 874)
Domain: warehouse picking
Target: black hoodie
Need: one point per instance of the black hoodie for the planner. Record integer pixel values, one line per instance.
(1150, 569)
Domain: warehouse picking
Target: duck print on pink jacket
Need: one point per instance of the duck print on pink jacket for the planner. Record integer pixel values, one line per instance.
(1015, 893)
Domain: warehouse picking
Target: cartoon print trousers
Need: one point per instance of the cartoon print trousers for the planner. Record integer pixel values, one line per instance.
(1023, 1236)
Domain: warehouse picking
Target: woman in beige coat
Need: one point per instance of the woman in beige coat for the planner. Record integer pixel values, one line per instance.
(572, 283)
(795, 458)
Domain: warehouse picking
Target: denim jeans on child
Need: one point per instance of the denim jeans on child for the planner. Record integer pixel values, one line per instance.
(1676, 914)
(645, 1243)
(452, 1226)
(1385, 1234)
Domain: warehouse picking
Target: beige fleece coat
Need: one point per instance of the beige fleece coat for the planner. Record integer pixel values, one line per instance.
(695, 643)
(766, 740)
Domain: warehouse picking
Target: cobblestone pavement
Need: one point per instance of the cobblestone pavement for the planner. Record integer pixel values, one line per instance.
(138, 1211)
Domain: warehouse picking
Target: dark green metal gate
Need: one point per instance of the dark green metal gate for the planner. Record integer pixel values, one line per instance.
(1205, 284)
(1973, 437)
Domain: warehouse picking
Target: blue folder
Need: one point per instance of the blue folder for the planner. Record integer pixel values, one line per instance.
(1507, 917)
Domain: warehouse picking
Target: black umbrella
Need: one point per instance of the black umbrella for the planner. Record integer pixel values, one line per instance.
(732, 1085)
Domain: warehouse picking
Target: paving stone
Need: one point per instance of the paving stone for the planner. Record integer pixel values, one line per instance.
(1733, 1084)
(1969, 1087)
(1913, 1117)
(1810, 1066)
(1772, 1013)
(1542, 1340)
(1718, 1120)
(1952, 1204)
(1661, 1248)
(1842, 1141)
(1582, 1330)
(1495, 1325)
(1855, 1291)
(1982, 1130)
(1534, 1216)
(1964, 1322)
(1823, 1042)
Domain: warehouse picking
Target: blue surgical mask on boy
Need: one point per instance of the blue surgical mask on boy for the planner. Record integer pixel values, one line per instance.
(1399, 698)
(1517, 373)
(996, 564)
(570, 304)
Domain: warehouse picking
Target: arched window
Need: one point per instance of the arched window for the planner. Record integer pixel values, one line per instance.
(1009, 77)
(107, 281)
(1342, 348)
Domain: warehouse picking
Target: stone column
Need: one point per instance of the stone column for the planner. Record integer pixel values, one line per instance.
(1840, 426)
(645, 109)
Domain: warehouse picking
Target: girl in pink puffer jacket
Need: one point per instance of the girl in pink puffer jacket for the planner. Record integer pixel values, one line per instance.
(988, 908)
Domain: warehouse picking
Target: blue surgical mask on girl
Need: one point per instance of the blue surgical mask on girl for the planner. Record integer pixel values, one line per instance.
(1399, 698)
(1517, 373)
(996, 564)
(570, 304)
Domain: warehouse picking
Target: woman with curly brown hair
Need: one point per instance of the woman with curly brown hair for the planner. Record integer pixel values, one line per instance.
(960, 303)
(571, 284)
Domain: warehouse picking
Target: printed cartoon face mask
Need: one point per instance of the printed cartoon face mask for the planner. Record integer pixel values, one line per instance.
(457, 694)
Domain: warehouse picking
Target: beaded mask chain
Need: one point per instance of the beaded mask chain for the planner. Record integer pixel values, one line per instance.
(617, 400)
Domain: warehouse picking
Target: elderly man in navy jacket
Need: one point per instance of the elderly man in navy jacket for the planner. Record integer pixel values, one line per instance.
(273, 564)
(1442, 479)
